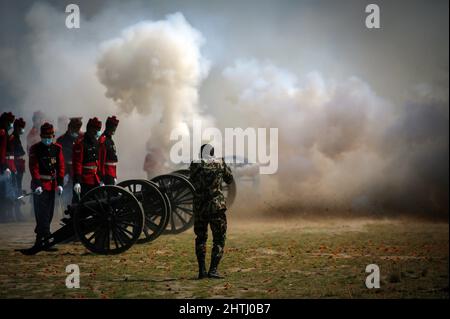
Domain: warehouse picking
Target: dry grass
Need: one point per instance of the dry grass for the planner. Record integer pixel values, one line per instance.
(264, 259)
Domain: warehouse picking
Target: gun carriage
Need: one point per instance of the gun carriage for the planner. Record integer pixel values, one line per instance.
(110, 219)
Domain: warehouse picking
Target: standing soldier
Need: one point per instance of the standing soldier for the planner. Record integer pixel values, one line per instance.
(19, 162)
(6, 164)
(109, 152)
(207, 176)
(67, 141)
(154, 163)
(46, 165)
(33, 136)
(6, 128)
(87, 170)
(62, 123)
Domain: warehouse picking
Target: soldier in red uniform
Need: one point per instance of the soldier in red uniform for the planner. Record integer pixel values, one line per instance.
(18, 153)
(67, 141)
(6, 127)
(87, 170)
(108, 152)
(33, 136)
(46, 165)
(6, 165)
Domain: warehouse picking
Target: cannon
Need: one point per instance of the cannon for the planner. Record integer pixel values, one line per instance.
(110, 219)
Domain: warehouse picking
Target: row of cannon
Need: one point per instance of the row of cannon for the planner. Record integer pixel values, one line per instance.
(110, 219)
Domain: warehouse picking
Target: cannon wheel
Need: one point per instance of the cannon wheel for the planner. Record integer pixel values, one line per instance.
(156, 207)
(229, 191)
(108, 220)
(181, 196)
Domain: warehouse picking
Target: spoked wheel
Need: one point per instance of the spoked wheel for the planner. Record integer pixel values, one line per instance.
(229, 191)
(181, 196)
(156, 209)
(108, 220)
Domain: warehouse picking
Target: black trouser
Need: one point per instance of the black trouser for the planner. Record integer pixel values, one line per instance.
(44, 205)
(3, 198)
(108, 180)
(218, 224)
(17, 182)
(7, 195)
(67, 196)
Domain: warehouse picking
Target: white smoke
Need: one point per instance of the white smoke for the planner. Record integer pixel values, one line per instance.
(341, 145)
(156, 68)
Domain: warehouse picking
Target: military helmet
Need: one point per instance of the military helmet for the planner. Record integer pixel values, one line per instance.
(8, 117)
(47, 130)
(75, 123)
(94, 123)
(112, 122)
(19, 123)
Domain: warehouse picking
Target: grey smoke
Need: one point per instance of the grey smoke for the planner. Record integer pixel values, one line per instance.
(363, 116)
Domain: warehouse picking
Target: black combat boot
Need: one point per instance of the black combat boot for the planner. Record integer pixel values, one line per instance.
(38, 243)
(202, 273)
(48, 245)
(200, 252)
(213, 273)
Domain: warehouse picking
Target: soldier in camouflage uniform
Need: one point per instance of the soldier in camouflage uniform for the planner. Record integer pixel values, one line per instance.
(207, 176)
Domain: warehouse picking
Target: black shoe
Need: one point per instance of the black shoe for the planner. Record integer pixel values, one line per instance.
(202, 274)
(47, 246)
(214, 274)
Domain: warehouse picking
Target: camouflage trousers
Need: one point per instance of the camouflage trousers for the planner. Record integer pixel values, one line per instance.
(218, 224)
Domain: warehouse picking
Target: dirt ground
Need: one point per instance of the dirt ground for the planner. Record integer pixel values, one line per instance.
(293, 258)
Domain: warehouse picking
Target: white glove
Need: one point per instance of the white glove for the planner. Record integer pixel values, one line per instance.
(77, 188)
(102, 184)
(8, 173)
(59, 190)
(38, 190)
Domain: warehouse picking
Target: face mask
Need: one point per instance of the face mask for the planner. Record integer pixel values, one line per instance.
(98, 134)
(22, 131)
(10, 128)
(74, 134)
(47, 141)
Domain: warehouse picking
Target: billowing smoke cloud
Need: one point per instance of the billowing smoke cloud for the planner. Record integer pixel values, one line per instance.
(156, 68)
(342, 146)
(345, 145)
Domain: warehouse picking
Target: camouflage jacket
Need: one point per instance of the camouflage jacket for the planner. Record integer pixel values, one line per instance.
(207, 177)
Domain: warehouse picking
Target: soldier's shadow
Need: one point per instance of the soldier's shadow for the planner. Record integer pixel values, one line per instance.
(133, 280)
(127, 279)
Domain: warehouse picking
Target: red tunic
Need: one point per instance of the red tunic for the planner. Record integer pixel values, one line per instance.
(108, 156)
(6, 152)
(10, 162)
(18, 152)
(46, 166)
(86, 163)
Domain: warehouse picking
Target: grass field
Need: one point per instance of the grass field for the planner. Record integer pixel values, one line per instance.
(288, 259)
